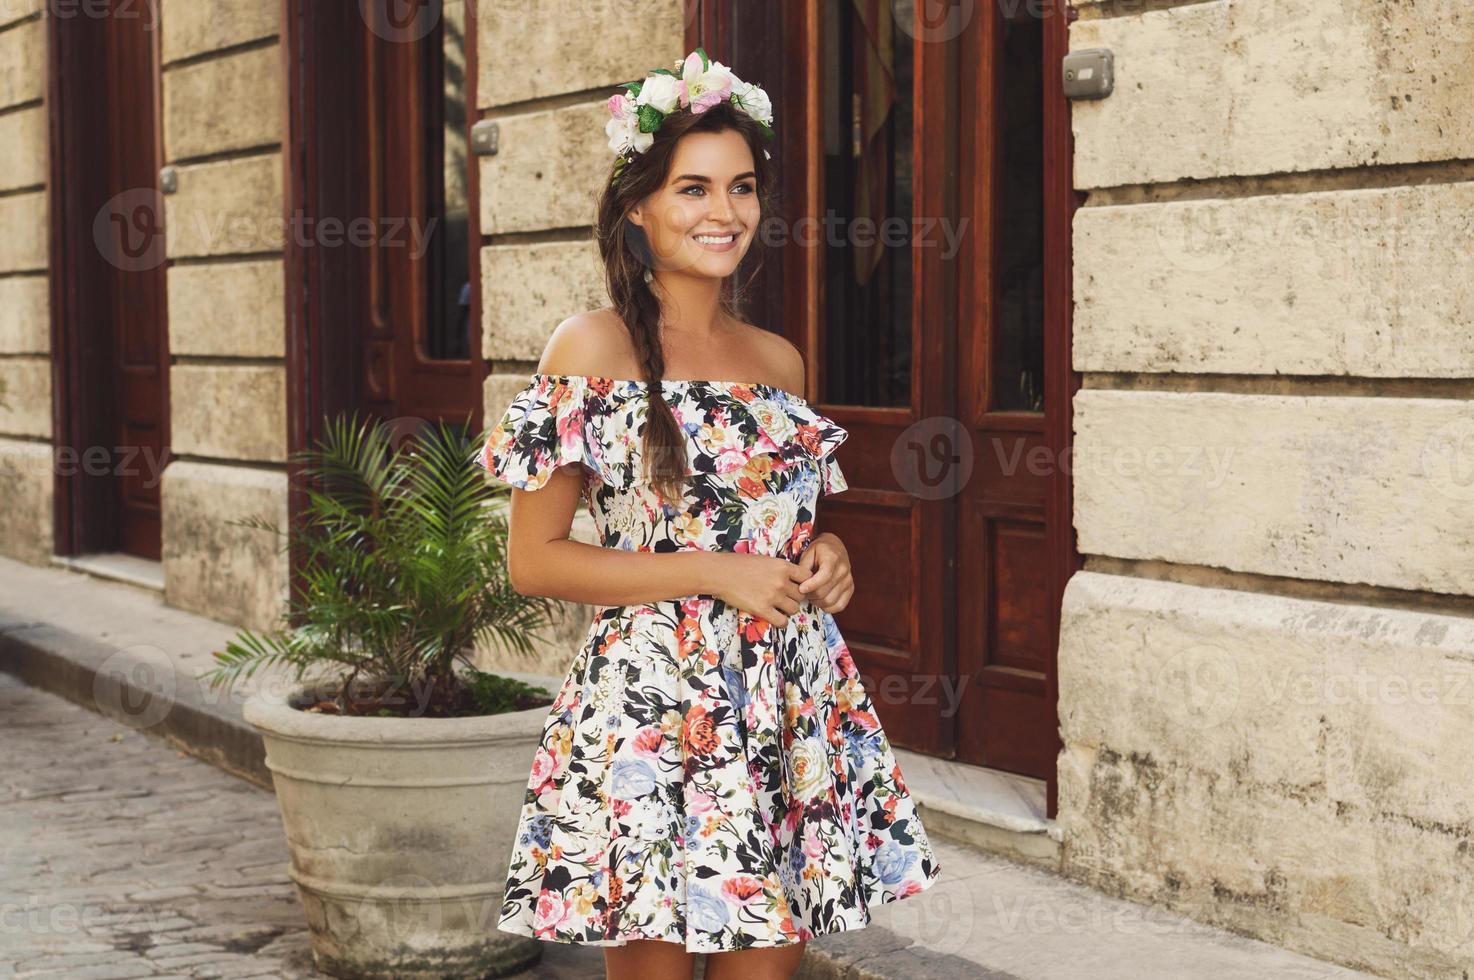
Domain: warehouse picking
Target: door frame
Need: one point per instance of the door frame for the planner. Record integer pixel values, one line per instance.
(322, 172)
(83, 369)
(938, 93)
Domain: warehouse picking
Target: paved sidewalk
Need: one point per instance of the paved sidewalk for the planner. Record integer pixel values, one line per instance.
(121, 853)
(121, 857)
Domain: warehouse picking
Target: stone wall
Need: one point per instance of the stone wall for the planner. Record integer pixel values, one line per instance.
(545, 73)
(223, 129)
(1267, 667)
(25, 306)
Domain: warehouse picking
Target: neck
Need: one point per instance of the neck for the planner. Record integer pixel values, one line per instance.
(690, 305)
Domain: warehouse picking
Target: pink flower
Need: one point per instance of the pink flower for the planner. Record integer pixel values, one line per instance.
(551, 911)
(698, 802)
(742, 889)
(705, 87)
(543, 767)
(814, 845)
(647, 740)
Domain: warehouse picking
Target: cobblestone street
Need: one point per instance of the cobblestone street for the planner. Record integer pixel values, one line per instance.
(123, 857)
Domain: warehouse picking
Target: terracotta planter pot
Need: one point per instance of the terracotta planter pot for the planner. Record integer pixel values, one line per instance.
(399, 831)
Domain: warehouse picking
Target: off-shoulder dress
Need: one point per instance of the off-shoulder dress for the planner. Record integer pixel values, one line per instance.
(704, 777)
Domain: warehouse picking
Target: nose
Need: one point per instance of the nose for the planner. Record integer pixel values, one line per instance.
(721, 206)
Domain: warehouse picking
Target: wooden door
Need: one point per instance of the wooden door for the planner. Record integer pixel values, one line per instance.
(866, 123)
(945, 353)
(110, 336)
(384, 322)
(1014, 385)
(418, 330)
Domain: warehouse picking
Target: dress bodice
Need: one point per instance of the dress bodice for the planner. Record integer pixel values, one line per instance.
(759, 457)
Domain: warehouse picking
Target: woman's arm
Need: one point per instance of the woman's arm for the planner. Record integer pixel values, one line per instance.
(543, 560)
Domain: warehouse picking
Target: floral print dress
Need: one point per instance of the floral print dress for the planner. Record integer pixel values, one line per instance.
(704, 777)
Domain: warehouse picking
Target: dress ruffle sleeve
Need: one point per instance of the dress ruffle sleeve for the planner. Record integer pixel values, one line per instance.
(800, 430)
(544, 427)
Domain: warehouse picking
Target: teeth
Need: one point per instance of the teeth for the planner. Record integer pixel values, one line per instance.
(713, 240)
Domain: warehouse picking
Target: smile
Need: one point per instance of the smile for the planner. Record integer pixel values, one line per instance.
(717, 243)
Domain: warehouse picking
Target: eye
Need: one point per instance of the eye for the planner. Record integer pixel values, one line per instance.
(744, 186)
(693, 187)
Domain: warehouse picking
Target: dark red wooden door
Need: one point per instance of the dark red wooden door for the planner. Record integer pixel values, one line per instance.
(943, 349)
(140, 332)
(418, 329)
(110, 359)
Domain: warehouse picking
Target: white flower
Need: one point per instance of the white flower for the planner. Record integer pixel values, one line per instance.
(753, 100)
(773, 420)
(705, 87)
(663, 92)
(808, 763)
(770, 518)
(624, 132)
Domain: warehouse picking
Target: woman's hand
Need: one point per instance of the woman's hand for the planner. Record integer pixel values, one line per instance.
(830, 585)
(762, 586)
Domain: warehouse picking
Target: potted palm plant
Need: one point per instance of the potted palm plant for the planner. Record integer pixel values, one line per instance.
(399, 767)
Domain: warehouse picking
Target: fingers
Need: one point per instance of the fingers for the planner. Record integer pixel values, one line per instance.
(837, 600)
(821, 581)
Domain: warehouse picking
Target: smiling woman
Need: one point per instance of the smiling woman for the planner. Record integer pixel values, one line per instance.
(713, 777)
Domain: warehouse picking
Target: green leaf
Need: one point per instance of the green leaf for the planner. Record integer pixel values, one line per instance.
(650, 118)
(705, 61)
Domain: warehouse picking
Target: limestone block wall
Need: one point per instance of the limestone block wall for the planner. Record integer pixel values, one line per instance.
(545, 72)
(25, 307)
(1265, 690)
(224, 124)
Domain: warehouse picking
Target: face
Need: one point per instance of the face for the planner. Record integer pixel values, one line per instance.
(702, 222)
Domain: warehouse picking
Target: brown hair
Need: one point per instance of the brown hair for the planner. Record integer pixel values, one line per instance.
(626, 254)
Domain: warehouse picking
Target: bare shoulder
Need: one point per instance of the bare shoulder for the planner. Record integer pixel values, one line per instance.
(785, 364)
(594, 344)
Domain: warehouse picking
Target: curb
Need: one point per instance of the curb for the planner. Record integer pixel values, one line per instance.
(100, 678)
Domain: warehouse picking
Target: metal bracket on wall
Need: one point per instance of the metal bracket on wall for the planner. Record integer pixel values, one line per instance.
(485, 138)
(1089, 74)
(168, 180)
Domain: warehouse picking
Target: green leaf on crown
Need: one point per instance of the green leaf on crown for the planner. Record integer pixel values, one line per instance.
(650, 118)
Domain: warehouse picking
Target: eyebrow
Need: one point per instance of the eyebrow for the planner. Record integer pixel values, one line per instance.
(707, 180)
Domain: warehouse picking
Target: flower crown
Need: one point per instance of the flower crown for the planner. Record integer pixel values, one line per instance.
(697, 83)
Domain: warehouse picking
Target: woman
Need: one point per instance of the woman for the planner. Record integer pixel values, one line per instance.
(712, 777)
